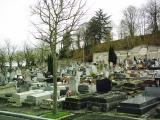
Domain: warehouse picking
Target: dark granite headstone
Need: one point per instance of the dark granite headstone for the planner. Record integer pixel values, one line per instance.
(63, 92)
(83, 89)
(103, 86)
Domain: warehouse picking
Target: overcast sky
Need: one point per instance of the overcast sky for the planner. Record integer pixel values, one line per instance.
(15, 16)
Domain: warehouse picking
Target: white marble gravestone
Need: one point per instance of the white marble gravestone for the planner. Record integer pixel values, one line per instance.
(77, 80)
(106, 74)
(74, 81)
(88, 71)
(18, 72)
(94, 69)
(2, 79)
(8, 76)
(27, 75)
(13, 74)
(40, 76)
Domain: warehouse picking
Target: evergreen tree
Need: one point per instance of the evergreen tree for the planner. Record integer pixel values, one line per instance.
(66, 42)
(99, 27)
(112, 57)
(88, 46)
(97, 30)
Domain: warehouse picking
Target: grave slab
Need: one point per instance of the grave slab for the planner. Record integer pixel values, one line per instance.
(138, 105)
(139, 101)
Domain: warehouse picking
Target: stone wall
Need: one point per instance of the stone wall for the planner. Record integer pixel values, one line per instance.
(138, 52)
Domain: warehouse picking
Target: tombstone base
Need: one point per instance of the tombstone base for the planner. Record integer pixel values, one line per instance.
(139, 111)
(138, 105)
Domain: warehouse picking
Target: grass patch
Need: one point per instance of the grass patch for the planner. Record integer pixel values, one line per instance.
(56, 116)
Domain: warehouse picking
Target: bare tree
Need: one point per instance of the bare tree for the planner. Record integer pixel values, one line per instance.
(28, 55)
(142, 22)
(19, 57)
(11, 49)
(122, 30)
(153, 14)
(3, 61)
(57, 16)
(130, 20)
(42, 53)
(80, 34)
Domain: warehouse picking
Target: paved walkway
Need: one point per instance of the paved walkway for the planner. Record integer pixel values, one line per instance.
(104, 116)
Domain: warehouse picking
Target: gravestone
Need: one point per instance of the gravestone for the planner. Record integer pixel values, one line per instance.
(19, 98)
(40, 76)
(104, 85)
(101, 66)
(106, 74)
(83, 89)
(18, 72)
(2, 79)
(92, 88)
(143, 74)
(126, 64)
(88, 71)
(8, 76)
(77, 80)
(117, 68)
(24, 86)
(63, 71)
(13, 74)
(94, 69)
(74, 81)
(33, 75)
(37, 98)
(27, 75)
(72, 84)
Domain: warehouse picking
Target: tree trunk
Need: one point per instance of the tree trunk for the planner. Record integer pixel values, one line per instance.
(10, 65)
(53, 49)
